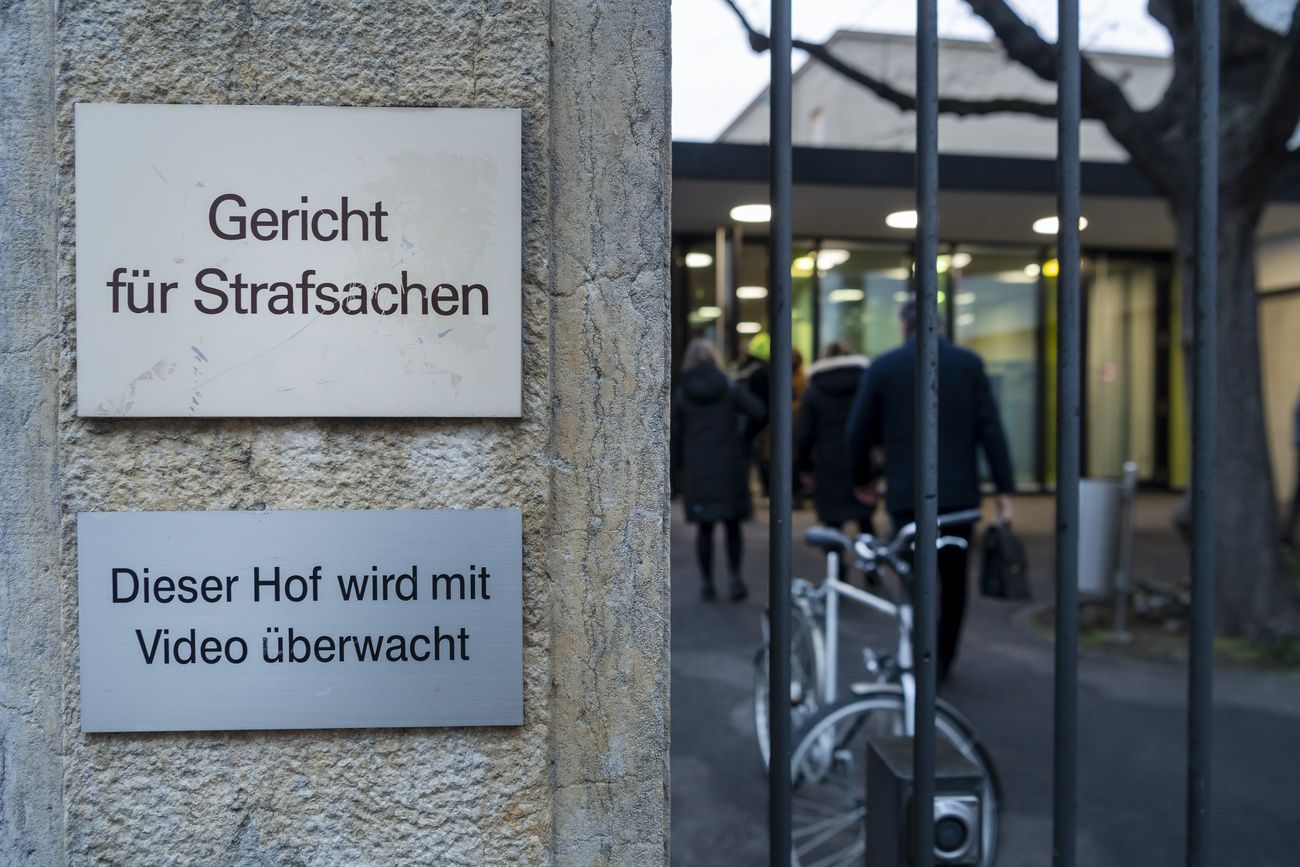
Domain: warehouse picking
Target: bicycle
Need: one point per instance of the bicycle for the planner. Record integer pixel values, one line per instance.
(829, 758)
(807, 665)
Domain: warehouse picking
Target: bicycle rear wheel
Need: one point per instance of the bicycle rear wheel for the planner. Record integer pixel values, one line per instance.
(829, 770)
(807, 671)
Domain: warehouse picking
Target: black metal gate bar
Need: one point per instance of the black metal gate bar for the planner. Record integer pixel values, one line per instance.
(1069, 357)
(926, 484)
(1204, 400)
(780, 472)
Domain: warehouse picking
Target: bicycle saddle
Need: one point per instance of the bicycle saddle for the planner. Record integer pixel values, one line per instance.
(828, 539)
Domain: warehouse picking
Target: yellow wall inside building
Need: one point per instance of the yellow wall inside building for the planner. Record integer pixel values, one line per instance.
(1279, 325)
(1180, 434)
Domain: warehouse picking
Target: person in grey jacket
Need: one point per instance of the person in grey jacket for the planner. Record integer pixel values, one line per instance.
(712, 422)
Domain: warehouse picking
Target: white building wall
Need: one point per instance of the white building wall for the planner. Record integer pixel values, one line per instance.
(832, 111)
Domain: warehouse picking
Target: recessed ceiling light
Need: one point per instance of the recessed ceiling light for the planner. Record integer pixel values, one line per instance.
(748, 327)
(750, 293)
(752, 213)
(828, 259)
(709, 312)
(960, 260)
(1051, 225)
(840, 296)
(698, 260)
(901, 220)
(1033, 270)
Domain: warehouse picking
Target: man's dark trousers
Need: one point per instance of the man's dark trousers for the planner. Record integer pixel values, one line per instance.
(953, 580)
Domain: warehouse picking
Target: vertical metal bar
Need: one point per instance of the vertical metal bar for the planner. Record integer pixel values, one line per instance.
(816, 301)
(731, 304)
(1040, 378)
(832, 629)
(1204, 402)
(781, 477)
(722, 279)
(926, 483)
(1068, 439)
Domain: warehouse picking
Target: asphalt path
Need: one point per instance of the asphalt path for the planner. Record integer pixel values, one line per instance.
(1132, 759)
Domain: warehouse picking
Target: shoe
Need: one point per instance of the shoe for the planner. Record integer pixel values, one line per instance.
(738, 589)
(708, 594)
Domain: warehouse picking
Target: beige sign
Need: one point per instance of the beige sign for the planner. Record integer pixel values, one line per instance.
(297, 261)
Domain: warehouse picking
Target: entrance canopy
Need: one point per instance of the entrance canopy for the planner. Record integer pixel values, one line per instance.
(849, 193)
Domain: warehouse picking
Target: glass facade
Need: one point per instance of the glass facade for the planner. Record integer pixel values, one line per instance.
(998, 302)
(1120, 367)
(859, 289)
(995, 312)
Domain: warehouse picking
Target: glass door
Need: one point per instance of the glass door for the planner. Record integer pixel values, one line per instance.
(995, 314)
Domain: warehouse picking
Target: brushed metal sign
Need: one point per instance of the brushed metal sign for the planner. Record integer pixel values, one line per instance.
(283, 620)
(254, 261)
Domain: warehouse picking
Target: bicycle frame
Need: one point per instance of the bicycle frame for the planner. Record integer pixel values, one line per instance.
(833, 588)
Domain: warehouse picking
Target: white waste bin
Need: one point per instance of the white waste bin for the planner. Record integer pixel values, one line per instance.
(1099, 514)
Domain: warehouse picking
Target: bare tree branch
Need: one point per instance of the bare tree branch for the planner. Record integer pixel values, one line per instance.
(907, 102)
(1176, 16)
(1101, 97)
(1023, 45)
(1277, 111)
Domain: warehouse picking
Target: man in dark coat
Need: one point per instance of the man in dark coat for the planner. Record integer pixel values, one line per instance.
(820, 455)
(712, 422)
(883, 415)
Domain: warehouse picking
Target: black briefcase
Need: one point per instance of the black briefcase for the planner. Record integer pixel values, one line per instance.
(1005, 574)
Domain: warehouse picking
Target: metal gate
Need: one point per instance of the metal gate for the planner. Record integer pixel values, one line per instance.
(1065, 746)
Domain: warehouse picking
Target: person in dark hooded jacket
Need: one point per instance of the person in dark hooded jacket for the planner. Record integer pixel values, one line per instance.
(712, 421)
(820, 454)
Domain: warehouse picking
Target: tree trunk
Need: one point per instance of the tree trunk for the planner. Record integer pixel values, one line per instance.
(1247, 565)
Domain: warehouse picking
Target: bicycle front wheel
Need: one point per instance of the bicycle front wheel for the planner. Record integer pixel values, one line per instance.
(807, 671)
(829, 773)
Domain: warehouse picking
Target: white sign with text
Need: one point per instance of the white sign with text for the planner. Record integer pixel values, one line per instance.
(283, 620)
(298, 261)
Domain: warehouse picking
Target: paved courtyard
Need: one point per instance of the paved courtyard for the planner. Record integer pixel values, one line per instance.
(1132, 721)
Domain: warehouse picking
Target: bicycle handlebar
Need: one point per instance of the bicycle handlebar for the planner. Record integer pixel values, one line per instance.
(908, 531)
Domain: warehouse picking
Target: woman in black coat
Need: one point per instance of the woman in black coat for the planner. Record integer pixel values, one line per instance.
(712, 420)
(821, 454)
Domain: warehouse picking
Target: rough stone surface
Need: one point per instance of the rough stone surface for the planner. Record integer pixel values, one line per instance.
(31, 767)
(585, 779)
(611, 348)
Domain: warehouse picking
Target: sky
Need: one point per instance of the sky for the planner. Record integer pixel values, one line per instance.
(715, 74)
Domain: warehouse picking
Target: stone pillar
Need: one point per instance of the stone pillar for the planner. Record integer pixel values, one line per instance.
(611, 338)
(32, 549)
(585, 779)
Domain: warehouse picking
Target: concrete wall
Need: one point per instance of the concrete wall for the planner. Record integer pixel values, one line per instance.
(585, 779)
